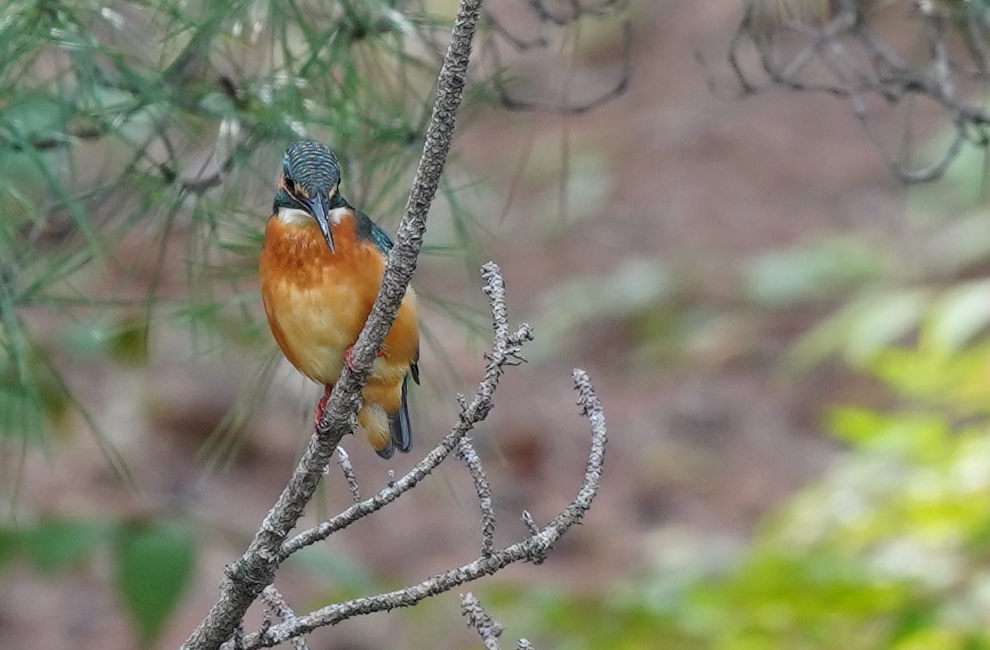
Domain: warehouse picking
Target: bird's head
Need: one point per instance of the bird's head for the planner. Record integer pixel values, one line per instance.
(309, 185)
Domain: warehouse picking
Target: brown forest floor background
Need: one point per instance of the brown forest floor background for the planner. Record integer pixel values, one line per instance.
(703, 442)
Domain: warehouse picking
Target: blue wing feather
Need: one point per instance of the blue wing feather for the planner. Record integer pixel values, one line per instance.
(400, 425)
(368, 229)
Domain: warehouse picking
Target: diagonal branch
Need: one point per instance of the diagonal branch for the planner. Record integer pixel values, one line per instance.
(246, 578)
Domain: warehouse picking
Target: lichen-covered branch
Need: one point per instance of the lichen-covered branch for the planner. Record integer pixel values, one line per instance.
(250, 576)
(532, 549)
(465, 451)
(276, 604)
(487, 627)
(252, 572)
(505, 351)
(477, 618)
(348, 471)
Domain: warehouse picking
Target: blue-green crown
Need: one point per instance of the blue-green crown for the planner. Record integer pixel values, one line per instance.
(313, 166)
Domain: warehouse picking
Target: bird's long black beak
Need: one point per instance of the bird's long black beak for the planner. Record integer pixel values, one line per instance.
(318, 206)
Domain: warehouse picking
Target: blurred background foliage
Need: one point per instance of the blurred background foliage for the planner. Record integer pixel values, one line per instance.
(137, 140)
(119, 123)
(889, 549)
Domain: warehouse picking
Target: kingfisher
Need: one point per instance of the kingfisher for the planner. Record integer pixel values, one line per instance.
(321, 266)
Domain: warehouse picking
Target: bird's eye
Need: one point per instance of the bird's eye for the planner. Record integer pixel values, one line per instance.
(290, 185)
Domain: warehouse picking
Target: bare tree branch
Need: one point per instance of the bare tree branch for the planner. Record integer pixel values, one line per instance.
(843, 51)
(246, 578)
(488, 628)
(533, 549)
(348, 471)
(465, 452)
(251, 575)
(527, 520)
(278, 606)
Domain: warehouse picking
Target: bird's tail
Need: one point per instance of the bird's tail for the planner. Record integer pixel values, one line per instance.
(400, 427)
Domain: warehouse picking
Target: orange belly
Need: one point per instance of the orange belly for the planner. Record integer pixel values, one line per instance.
(317, 301)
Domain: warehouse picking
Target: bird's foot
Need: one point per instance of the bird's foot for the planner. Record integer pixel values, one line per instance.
(348, 361)
(322, 404)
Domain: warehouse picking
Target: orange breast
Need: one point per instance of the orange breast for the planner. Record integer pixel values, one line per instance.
(317, 301)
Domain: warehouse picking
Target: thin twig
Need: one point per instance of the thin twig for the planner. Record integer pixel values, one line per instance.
(280, 607)
(532, 549)
(465, 451)
(527, 519)
(348, 471)
(477, 618)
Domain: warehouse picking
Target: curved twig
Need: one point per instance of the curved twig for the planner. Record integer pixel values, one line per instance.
(532, 549)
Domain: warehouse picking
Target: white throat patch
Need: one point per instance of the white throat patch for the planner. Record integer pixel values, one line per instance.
(297, 216)
(294, 215)
(337, 215)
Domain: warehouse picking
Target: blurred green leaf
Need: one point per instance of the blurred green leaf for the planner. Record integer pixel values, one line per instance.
(961, 244)
(129, 344)
(55, 544)
(953, 381)
(960, 314)
(125, 340)
(10, 542)
(635, 285)
(915, 435)
(30, 396)
(33, 116)
(813, 599)
(863, 328)
(855, 423)
(588, 621)
(811, 271)
(154, 565)
(882, 322)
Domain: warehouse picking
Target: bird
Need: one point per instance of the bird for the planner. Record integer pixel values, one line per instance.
(321, 266)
